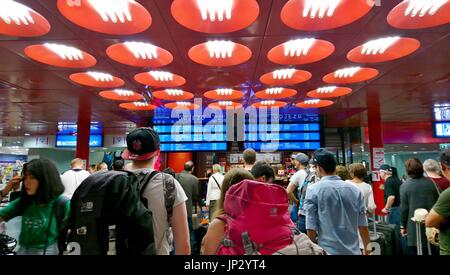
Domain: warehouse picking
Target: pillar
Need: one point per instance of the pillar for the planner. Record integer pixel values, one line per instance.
(83, 127)
(376, 146)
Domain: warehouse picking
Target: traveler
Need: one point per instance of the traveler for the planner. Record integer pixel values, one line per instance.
(440, 214)
(92, 168)
(342, 172)
(417, 192)
(118, 165)
(249, 159)
(102, 167)
(263, 172)
(169, 171)
(143, 149)
(434, 172)
(189, 183)
(391, 194)
(74, 177)
(213, 190)
(335, 210)
(39, 205)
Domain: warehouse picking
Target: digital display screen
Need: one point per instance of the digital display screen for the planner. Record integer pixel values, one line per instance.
(282, 146)
(182, 147)
(70, 128)
(192, 137)
(442, 129)
(303, 127)
(187, 128)
(442, 112)
(282, 136)
(71, 141)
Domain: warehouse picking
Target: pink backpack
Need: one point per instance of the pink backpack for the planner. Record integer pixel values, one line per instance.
(257, 219)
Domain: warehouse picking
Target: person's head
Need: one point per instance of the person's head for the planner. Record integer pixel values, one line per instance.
(300, 161)
(325, 162)
(189, 166)
(263, 172)
(414, 168)
(143, 147)
(358, 171)
(118, 165)
(444, 159)
(41, 181)
(92, 168)
(233, 176)
(77, 164)
(216, 169)
(102, 166)
(342, 172)
(249, 156)
(432, 167)
(169, 171)
(385, 171)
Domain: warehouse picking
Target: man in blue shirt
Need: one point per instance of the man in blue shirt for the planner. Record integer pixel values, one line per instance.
(335, 210)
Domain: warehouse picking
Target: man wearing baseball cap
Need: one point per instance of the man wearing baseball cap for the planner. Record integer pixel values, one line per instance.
(335, 210)
(391, 194)
(143, 149)
(440, 213)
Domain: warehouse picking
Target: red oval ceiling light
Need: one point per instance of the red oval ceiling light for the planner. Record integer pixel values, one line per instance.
(121, 95)
(383, 49)
(350, 75)
(224, 94)
(97, 80)
(316, 15)
(138, 106)
(105, 16)
(160, 79)
(220, 53)
(285, 77)
(225, 105)
(139, 54)
(269, 104)
(182, 105)
(300, 51)
(274, 93)
(19, 20)
(173, 94)
(215, 16)
(314, 103)
(329, 92)
(60, 56)
(419, 14)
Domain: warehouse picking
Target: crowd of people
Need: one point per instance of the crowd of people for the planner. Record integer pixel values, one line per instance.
(332, 203)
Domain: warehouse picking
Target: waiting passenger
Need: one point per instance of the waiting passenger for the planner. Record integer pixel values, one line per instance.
(249, 156)
(102, 167)
(263, 172)
(74, 177)
(214, 188)
(118, 165)
(434, 172)
(169, 171)
(342, 172)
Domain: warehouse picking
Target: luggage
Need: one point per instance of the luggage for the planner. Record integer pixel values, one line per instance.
(7, 245)
(385, 235)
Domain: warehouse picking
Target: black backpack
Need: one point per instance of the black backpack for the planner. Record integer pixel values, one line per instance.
(106, 209)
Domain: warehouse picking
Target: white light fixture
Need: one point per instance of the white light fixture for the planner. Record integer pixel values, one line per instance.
(268, 102)
(113, 11)
(101, 77)
(318, 8)
(326, 90)
(274, 91)
(26, 134)
(65, 52)
(220, 48)
(121, 92)
(378, 46)
(183, 104)
(142, 50)
(140, 104)
(423, 7)
(174, 92)
(298, 47)
(346, 72)
(312, 101)
(225, 103)
(161, 76)
(283, 74)
(13, 12)
(224, 91)
(215, 9)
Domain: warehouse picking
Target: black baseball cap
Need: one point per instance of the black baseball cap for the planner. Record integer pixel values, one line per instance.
(142, 144)
(322, 157)
(385, 167)
(445, 157)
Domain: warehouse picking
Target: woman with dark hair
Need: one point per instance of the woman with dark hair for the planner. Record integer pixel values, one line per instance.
(417, 192)
(41, 194)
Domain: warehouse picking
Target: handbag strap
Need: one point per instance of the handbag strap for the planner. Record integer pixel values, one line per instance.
(216, 182)
(435, 185)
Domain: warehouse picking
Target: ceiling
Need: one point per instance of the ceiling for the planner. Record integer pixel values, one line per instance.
(34, 96)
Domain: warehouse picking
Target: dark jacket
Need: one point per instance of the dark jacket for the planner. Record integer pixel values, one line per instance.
(190, 187)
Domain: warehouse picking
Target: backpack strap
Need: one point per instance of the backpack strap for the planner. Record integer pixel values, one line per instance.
(60, 210)
(145, 181)
(216, 182)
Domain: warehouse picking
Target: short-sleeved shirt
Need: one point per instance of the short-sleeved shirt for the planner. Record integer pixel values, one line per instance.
(392, 188)
(443, 183)
(298, 178)
(35, 221)
(189, 183)
(154, 193)
(442, 207)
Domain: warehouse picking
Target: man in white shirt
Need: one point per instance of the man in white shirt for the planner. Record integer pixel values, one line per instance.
(74, 177)
(214, 189)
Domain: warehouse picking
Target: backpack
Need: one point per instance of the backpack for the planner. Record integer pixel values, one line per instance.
(258, 223)
(106, 210)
